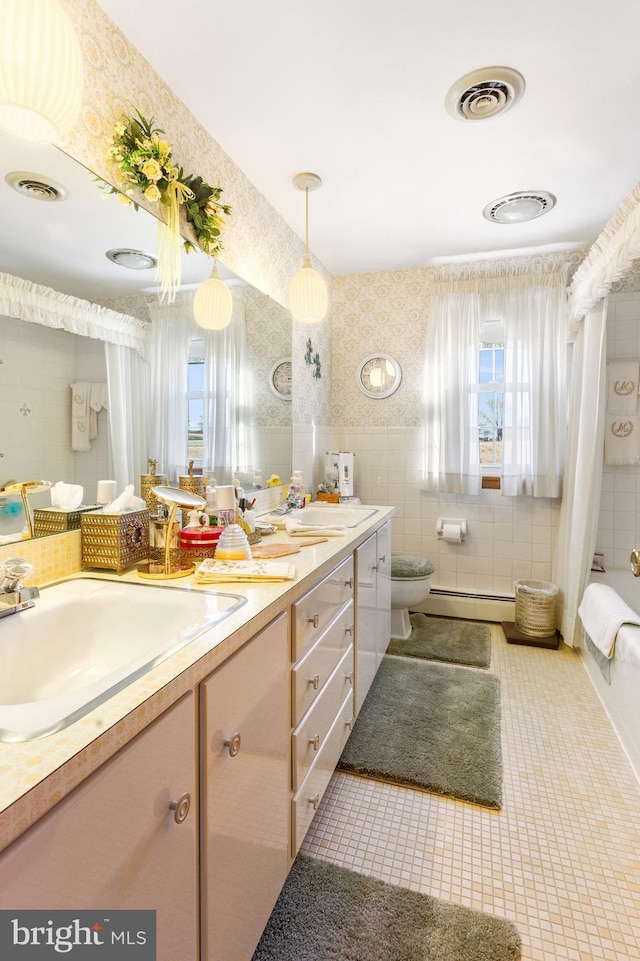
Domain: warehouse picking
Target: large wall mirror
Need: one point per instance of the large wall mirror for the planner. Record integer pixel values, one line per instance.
(55, 230)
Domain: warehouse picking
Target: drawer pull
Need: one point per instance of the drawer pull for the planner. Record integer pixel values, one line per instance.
(315, 620)
(233, 743)
(181, 808)
(349, 677)
(315, 800)
(382, 560)
(349, 630)
(315, 742)
(315, 681)
(350, 723)
(349, 583)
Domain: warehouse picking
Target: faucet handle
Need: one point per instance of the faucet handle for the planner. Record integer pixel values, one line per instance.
(15, 571)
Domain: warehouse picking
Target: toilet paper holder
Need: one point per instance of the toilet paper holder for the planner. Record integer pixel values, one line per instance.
(455, 526)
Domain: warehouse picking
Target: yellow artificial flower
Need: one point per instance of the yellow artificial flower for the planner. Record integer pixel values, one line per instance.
(123, 199)
(152, 170)
(152, 194)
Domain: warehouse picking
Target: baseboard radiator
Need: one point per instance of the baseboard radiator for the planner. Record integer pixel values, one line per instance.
(475, 605)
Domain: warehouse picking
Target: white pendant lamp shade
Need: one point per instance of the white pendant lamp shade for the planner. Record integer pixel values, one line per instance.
(213, 303)
(308, 298)
(41, 76)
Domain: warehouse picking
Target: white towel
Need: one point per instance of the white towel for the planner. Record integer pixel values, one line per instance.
(296, 529)
(621, 439)
(80, 425)
(622, 386)
(98, 396)
(603, 612)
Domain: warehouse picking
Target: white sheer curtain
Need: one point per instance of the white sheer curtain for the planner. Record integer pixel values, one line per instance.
(579, 513)
(227, 424)
(171, 329)
(127, 380)
(452, 460)
(227, 405)
(532, 307)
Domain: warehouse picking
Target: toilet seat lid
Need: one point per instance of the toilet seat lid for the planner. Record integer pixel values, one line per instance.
(408, 566)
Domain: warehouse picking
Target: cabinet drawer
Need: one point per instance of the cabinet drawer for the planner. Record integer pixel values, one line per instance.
(305, 802)
(313, 612)
(309, 675)
(311, 733)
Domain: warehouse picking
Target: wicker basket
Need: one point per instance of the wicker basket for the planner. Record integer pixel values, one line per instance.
(536, 607)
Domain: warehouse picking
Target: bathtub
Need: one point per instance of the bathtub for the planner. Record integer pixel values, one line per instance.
(620, 695)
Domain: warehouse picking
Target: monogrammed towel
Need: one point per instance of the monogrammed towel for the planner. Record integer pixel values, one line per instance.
(622, 386)
(621, 439)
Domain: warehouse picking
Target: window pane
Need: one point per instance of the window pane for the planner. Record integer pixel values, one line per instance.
(490, 423)
(485, 374)
(499, 362)
(196, 413)
(196, 376)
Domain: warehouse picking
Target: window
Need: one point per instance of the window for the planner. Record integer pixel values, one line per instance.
(490, 390)
(195, 397)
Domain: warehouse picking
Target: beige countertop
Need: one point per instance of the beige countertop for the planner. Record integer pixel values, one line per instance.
(36, 774)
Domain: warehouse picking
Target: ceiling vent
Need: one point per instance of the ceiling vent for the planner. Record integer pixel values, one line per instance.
(520, 207)
(484, 93)
(36, 186)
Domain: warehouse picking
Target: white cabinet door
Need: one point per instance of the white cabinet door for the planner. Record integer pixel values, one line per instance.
(383, 589)
(115, 841)
(367, 618)
(245, 793)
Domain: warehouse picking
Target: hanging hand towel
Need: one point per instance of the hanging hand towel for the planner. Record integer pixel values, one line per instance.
(621, 439)
(98, 397)
(80, 426)
(603, 612)
(622, 386)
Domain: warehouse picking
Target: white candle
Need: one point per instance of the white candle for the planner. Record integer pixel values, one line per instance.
(106, 492)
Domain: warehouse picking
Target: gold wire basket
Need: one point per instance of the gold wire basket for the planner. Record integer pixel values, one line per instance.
(114, 541)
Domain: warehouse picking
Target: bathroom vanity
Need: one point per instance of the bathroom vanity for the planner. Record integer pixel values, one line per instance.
(191, 791)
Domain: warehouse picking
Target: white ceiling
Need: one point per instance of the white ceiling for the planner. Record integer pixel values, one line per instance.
(354, 91)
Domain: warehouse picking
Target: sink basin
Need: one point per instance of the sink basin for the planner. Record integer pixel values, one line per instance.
(86, 639)
(326, 515)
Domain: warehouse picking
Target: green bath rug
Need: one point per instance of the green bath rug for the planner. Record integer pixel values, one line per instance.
(441, 639)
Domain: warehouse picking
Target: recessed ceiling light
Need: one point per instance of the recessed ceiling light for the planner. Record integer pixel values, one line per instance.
(520, 207)
(36, 186)
(484, 93)
(133, 259)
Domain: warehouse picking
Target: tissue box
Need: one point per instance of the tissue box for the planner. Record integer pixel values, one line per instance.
(54, 520)
(114, 541)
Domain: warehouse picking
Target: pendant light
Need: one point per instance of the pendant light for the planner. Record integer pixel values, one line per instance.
(213, 303)
(308, 299)
(41, 75)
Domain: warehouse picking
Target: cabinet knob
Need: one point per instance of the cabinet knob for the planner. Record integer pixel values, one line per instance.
(181, 807)
(350, 723)
(349, 630)
(315, 682)
(315, 620)
(315, 800)
(315, 742)
(382, 560)
(349, 583)
(233, 743)
(349, 677)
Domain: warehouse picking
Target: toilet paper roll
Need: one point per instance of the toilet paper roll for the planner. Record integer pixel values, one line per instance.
(452, 533)
(106, 491)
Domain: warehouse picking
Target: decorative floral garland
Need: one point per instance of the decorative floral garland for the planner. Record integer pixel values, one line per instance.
(142, 161)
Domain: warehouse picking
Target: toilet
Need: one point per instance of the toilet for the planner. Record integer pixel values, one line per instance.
(410, 584)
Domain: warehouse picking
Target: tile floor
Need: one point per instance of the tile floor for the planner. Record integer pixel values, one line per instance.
(562, 857)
